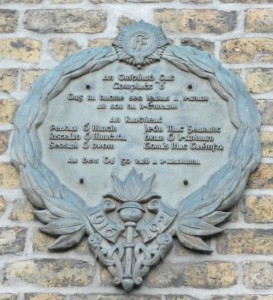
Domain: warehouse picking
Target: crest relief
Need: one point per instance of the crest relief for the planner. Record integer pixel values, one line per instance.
(140, 44)
(157, 143)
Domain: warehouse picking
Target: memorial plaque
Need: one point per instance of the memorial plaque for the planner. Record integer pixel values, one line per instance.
(133, 145)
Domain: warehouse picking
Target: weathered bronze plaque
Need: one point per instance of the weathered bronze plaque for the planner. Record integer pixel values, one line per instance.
(134, 144)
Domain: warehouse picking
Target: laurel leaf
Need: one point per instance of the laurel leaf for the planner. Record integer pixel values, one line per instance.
(13, 151)
(226, 83)
(20, 147)
(75, 202)
(52, 180)
(37, 180)
(43, 107)
(33, 112)
(175, 51)
(236, 143)
(245, 149)
(31, 193)
(200, 64)
(45, 216)
(63, 226)
(256, 148)
(100, 65)
(191, 202)
(214, 181)
(235, 196)
(24, 110)
(62, 207)
(195, 226)
(204, 208)
(192, 242)
(78, 60)
(29, 150)
(216, 217)
(52, 79)
(68, 241)
(227, 184)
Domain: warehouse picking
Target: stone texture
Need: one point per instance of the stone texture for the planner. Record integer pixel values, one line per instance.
(4, 141)
(28, 77)
(2, 205)
(209, 275)
(266, 109)
(199, 21)
(42, 241)
(7, 110)
(8, 296)
(107, 1)
(258, 275)
(262, 178)
(100, 42)
(40, 296)
(9, 177)
(179, 250)
(237, 72)
(124, 21)
(199, 44)
(246, 50)
(22, 211)
(8, 20)
(247, 1)
(240, 241)
(8, 78)
(113, 297)
(259, 80)
(150, 1)
(179, 297)
(243, 297)
(50, 272)
(196, 1)
(259, 20)
(258, 209)
(25, 50)
(61, 48)
(12, 240)
(267, 143)
(65, 20)
(21, 1)
(234, 217)
(64, 1)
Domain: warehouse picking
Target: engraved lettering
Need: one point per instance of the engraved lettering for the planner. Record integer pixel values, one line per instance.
(63, 128)
(211, 147)
(102, 146)
(70, 146)
(72, 97)
(152, 146)
(142, 120)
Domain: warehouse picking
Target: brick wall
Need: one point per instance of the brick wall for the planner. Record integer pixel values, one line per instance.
(34, 36)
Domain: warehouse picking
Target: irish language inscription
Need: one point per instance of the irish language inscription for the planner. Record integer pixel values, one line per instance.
(133, 145)
(115, 119)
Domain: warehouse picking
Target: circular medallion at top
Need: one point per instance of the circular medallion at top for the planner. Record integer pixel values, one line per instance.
(140, 44)
(140, 41)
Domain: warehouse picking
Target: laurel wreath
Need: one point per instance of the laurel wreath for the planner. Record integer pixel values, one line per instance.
(65, 212)
(202, 210)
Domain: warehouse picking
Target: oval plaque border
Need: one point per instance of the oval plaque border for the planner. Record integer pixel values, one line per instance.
(67, 214)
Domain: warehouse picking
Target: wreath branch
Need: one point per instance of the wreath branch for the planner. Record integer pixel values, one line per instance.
(203, 209)
(62, 209)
